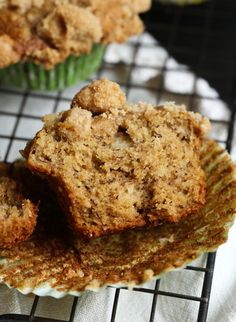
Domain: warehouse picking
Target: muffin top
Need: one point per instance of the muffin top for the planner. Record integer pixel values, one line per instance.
(47, 32)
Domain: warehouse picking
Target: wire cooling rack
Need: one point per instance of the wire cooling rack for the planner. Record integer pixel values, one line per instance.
(147, 70)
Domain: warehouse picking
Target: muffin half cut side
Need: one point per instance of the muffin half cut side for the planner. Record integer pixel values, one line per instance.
(18, 215)
(117, 166)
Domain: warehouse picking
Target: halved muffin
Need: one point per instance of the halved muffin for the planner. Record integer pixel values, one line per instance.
(18, 215)
(48, 266)
(121, 166)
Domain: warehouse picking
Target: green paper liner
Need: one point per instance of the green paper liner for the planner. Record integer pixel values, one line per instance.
(49, 265)
(72, 70)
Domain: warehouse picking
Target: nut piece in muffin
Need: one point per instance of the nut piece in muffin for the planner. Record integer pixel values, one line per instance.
(117, 166)
(18, 215)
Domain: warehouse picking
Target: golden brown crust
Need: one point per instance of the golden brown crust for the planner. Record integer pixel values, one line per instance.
(137, 5)
(47, 32)
(70, 28)
(130, 166)
(118, 22)
(17, 214)
(9, 54)
(141, 5)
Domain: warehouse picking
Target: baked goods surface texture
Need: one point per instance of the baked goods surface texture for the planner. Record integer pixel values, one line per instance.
(181, 2)
(47, 32)
(46, 265)
(18, 215)
(120, 166)
(50, 220)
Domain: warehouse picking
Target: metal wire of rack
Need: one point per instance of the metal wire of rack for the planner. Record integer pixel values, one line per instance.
(19, 121)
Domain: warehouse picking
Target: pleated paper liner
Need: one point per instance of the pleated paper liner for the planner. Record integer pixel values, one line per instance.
(72, 70)
(48, 265)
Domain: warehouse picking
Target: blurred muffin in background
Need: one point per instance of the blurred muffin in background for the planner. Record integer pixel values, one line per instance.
(52, 44)
(182, 2)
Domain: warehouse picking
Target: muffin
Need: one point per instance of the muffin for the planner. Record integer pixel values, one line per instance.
(46, 265)
(51, 44)
(117, 166)
(181, 2)
(18, 214)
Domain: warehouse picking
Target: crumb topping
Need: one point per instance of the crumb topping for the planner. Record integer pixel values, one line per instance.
(47, 32)
(100, 96)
